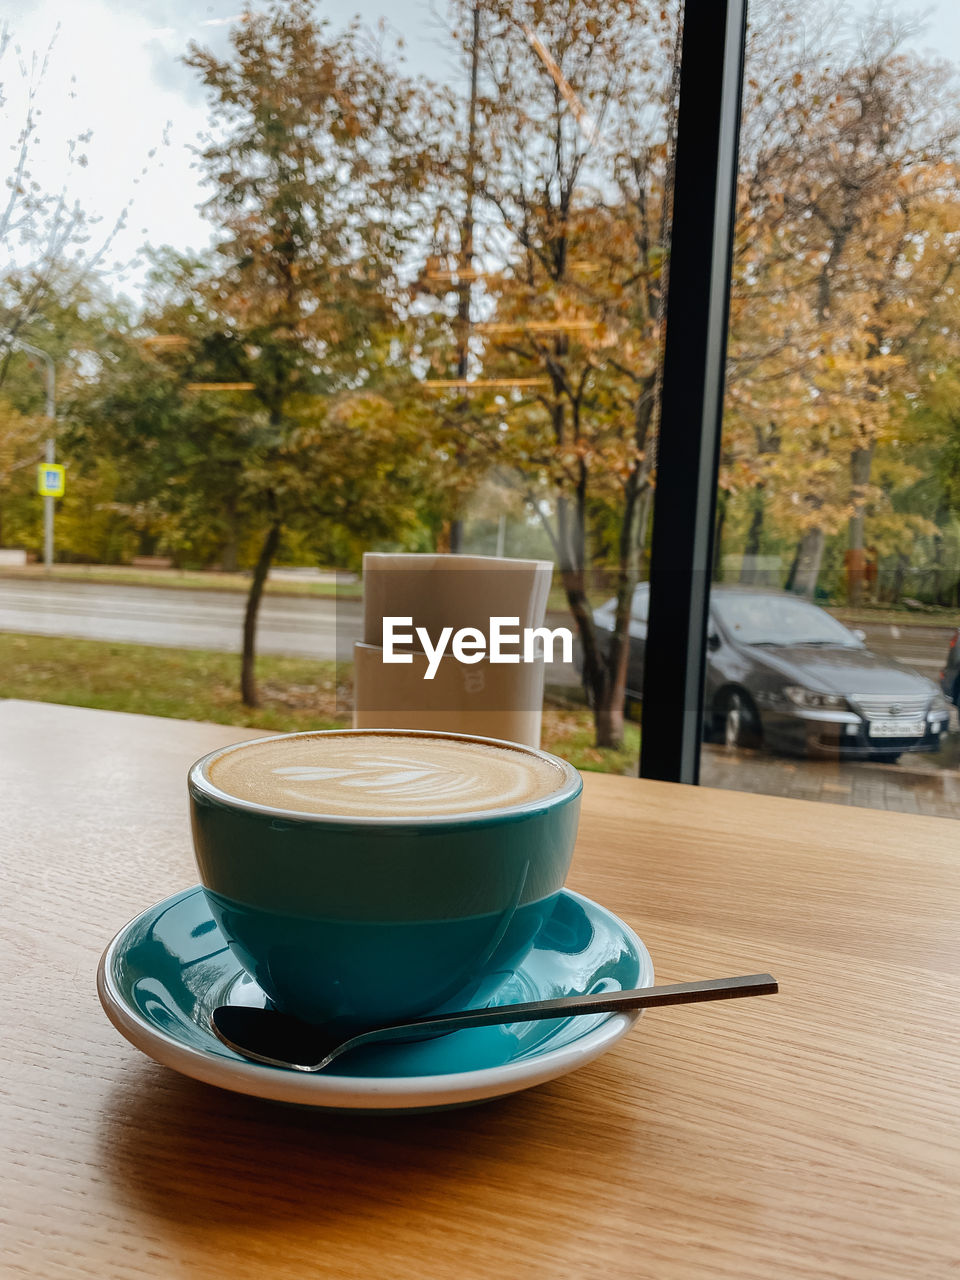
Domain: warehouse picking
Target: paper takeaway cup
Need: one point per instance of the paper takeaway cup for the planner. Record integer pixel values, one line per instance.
(491, 700)
(439, 591)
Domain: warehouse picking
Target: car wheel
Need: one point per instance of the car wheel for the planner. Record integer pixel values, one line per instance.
(741, 726)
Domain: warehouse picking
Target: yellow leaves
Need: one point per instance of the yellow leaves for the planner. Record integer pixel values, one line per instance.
(21, 438)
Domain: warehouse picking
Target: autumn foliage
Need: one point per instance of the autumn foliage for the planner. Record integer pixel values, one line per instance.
(422, 292)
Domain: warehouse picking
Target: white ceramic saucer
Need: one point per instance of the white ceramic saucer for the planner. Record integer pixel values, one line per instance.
(164, 973)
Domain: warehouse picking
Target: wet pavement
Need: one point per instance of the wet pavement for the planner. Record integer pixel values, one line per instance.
(919, 784)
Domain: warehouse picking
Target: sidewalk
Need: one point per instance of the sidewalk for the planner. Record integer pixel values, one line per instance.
(909, 787)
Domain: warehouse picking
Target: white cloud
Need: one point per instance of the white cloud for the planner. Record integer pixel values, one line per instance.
(116, 69)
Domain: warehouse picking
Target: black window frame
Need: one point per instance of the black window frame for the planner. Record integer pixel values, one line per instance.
(691, 398)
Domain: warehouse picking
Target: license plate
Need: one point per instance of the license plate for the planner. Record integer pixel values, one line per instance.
(896, 728)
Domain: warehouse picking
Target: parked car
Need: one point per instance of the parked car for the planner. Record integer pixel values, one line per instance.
(783, 673)
(950, 675)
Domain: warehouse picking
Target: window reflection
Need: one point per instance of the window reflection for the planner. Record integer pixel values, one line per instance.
(420, 309)
(836, 478)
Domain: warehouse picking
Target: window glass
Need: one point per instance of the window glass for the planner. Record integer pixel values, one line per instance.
(350, 277)
(837, 561)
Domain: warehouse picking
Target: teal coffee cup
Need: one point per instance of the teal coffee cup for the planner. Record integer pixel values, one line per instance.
(362, 876)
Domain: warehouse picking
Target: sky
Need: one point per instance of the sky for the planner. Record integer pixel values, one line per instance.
(114, 69)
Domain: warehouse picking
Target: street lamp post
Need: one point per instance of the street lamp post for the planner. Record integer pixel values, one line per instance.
(50, 451)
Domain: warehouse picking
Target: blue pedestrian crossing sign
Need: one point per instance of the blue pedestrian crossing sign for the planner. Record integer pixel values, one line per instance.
(50, 480)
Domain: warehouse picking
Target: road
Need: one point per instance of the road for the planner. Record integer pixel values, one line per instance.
(293, 626)
(308, 627)
(923, 646)
(290, 626)
(297, 626)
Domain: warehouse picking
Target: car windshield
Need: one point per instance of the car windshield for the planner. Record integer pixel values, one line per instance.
(769, 619)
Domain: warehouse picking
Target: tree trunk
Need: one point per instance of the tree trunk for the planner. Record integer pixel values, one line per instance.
(861, 461)
(938, 571)
(466, 254)
(228, 556)
(230, 549)
(899, 575)
(608, 719)
(748, 569)
(248, 679)
(609, 704)
(809, 556)
(608, 716)
(791, 582)
(599, 683)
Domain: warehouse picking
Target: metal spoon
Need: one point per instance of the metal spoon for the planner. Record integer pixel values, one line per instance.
(280, 1040)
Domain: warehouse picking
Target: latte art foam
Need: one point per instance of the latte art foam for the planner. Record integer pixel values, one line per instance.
(383, 775)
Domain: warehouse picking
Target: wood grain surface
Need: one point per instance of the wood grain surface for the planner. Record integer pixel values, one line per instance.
(809, 1134)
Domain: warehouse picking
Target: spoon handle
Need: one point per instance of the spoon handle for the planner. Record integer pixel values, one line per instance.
(754, 984)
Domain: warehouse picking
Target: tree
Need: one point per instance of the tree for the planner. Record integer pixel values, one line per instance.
(197, 468)
(317, 162)
(843, 299)
(45, 237)
(71, 322)
(574, 141)
(21, 448)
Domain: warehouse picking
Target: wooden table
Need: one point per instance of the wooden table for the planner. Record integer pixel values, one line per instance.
(811, 1134)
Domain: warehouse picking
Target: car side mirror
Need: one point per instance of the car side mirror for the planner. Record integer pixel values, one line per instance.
(861, 635)
(713, 641)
